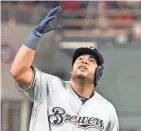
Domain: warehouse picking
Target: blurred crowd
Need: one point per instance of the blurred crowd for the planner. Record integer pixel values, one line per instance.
(80, 4)
(123, 4)
(127, 15)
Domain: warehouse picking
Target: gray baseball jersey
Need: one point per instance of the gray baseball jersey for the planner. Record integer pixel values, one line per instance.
(58, 108)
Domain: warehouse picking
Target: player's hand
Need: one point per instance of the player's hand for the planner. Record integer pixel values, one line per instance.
(44, 27)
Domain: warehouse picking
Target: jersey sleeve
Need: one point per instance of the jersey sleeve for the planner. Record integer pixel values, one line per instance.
(114, 123)
(39, 86)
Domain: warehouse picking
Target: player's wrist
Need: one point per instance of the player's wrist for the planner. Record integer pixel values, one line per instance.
(32, 41)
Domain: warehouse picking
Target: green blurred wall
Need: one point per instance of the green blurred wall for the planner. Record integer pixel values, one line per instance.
(121, 83)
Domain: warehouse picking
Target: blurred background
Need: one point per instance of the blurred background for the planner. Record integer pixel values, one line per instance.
(114, 27)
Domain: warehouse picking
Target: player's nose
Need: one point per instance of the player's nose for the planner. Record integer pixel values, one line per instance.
(84, 62)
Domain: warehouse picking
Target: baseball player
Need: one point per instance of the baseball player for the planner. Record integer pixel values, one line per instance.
(64, 105)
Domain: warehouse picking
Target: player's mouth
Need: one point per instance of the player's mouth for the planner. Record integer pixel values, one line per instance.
(83, 67)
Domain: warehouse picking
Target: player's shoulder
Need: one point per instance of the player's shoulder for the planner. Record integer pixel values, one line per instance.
(106, 103)
(47, 75)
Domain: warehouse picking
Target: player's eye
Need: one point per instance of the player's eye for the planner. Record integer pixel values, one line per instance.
(80, 59)
(92, 61)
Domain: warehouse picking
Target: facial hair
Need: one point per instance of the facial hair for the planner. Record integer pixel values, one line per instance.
(80, 78)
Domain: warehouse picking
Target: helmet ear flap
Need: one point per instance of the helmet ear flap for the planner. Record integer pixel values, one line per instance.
(98, 74)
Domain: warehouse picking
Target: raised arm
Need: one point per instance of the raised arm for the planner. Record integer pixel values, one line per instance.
(21, 69)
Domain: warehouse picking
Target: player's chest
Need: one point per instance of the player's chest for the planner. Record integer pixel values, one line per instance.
(82, 117)
(66, 109)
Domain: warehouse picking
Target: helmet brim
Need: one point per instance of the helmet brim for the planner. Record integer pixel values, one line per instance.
(93, 52)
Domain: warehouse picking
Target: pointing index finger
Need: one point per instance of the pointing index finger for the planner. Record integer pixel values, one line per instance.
(54, 10)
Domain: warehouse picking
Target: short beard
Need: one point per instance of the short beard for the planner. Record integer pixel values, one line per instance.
(82, 79)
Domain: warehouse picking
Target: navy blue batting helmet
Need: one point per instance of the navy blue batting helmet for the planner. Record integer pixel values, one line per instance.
(96, 54)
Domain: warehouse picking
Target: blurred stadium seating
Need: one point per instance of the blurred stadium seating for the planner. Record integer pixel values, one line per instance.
(112, 26)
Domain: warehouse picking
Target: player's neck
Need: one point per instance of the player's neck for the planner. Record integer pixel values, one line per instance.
(83, 89)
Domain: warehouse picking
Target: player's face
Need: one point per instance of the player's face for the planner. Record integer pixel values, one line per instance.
(84, 67)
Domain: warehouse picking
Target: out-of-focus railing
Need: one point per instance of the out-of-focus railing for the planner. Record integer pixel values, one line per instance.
(22, 14)
(76, 24)
(112, 23)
